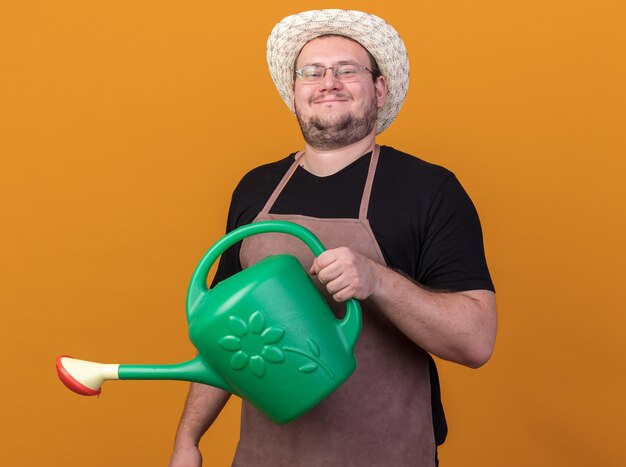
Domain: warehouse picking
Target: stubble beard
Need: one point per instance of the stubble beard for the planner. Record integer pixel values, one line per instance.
(328, 134)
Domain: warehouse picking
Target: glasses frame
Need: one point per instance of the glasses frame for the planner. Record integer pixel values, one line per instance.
(335, 69)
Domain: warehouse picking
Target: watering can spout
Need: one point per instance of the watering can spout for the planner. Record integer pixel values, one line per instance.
(86, 378)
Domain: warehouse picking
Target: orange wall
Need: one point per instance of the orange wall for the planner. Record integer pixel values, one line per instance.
(124, 127)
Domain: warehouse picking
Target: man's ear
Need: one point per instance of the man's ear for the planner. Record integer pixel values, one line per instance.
(380, 85)
(293, 100)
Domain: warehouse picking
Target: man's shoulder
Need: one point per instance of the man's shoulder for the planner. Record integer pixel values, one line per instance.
(254, 188)
(400, 164)
(266, 173)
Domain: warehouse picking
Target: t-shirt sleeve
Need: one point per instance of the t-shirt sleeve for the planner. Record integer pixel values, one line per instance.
(229, 263)
(246, 202)
(452, 256)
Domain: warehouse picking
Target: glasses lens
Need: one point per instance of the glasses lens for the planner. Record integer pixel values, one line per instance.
(311, 73)
(346, 71)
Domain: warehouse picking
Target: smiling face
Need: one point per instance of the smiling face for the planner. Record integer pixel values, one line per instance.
(331, 113)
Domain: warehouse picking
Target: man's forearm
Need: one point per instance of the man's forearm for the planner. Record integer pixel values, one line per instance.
(203, 405)
(456, 326)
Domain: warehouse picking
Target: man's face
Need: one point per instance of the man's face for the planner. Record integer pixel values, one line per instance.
(333, 114)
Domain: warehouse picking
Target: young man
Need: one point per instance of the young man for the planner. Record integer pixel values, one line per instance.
(402, 237)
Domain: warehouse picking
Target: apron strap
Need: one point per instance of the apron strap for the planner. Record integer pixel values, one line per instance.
(367, 191)
(272, 199)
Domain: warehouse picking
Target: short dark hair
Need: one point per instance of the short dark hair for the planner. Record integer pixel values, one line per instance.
(374, 69)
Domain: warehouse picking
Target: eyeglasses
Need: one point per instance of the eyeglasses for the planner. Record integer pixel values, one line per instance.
(344, 72)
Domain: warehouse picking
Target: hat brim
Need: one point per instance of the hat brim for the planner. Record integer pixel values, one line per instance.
(373, 33)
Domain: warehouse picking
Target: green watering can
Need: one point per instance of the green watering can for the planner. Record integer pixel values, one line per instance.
(265, 334)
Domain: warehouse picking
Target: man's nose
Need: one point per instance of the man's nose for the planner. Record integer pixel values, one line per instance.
(330, 80)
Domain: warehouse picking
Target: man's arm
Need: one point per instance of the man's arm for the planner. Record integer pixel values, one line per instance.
(204, 403)
(456, 326)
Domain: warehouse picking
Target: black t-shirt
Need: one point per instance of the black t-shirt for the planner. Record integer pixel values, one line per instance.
(422, 218)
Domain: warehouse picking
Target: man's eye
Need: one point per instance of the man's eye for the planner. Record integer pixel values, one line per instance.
(312, 74)
(346, 71)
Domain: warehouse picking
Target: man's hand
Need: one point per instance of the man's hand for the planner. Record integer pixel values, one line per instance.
(188, 456)
(346, 274)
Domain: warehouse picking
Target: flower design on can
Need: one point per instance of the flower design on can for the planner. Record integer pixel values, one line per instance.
(252, 342)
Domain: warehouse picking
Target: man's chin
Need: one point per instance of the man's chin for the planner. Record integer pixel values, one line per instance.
(335, 128)
(333, 122)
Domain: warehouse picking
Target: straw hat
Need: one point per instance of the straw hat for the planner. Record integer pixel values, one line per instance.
(379, 38)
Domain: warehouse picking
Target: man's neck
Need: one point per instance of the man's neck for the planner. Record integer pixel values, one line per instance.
(324, 162)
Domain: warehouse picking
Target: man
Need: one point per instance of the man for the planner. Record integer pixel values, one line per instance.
(402, 237)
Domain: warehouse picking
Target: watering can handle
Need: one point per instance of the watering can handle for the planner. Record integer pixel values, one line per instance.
(198, 285)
